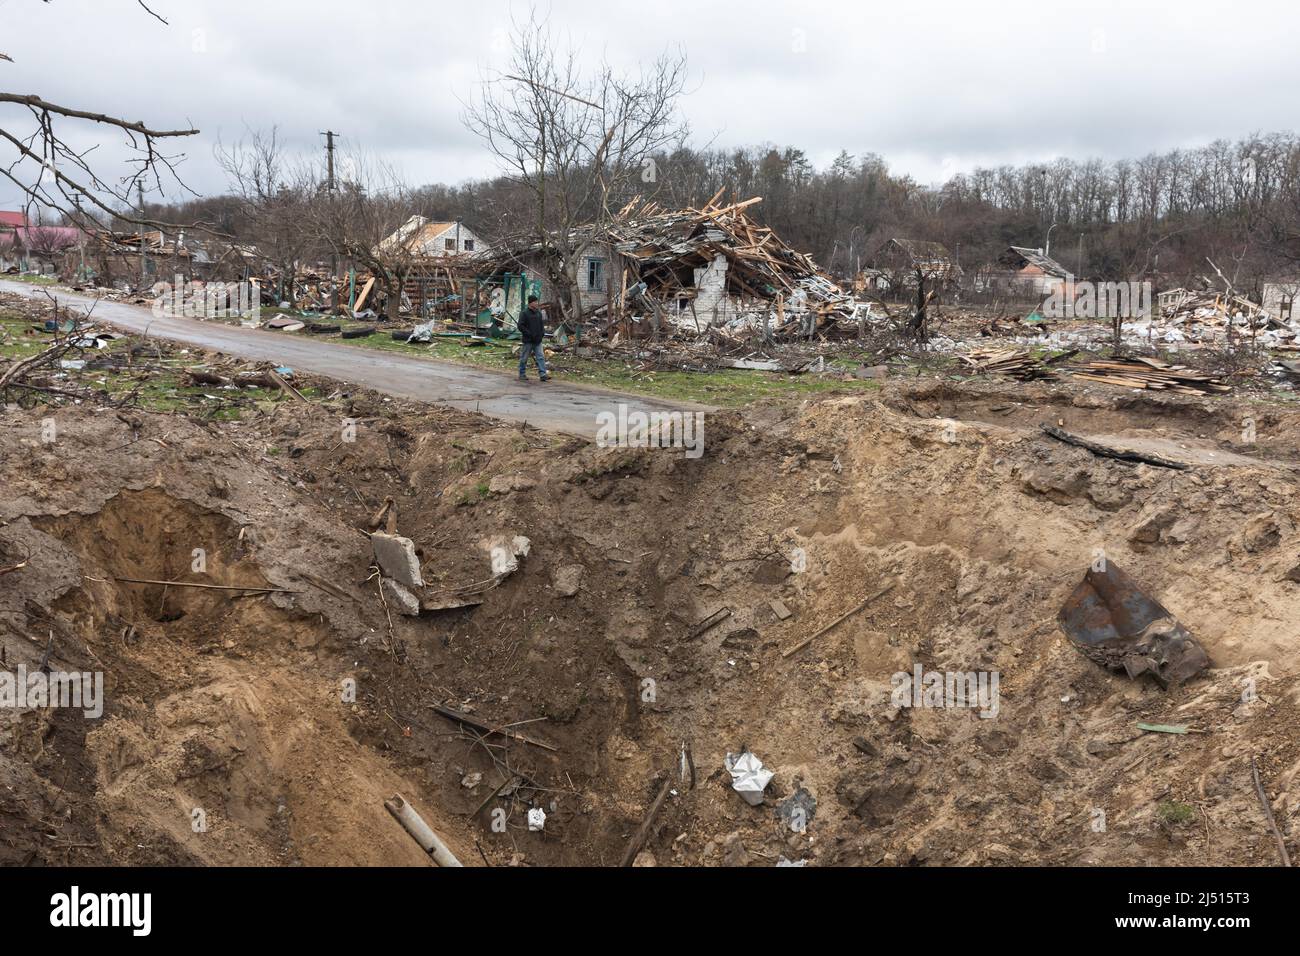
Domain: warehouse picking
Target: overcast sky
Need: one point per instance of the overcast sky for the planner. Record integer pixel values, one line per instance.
(934, 87)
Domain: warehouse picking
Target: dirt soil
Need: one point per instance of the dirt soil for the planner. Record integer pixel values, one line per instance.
(230, 736)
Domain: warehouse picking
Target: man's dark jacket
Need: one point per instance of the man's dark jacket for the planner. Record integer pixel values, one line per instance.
(532, 328)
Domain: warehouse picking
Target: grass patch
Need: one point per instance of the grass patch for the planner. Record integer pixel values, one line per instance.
(723, 387)
(1175, 814)
(149, 382)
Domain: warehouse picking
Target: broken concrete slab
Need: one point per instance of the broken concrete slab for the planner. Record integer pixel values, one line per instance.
(397, 558)
(284, 324)
(399, 597)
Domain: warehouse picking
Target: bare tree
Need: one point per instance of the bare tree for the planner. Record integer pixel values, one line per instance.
(51, 242)
(367, 219)
(53, 174)
(274, 194)
(578, 144)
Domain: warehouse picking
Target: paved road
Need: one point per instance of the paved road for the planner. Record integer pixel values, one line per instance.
(555, 405)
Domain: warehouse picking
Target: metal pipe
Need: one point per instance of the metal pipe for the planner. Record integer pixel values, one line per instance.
(420, 831)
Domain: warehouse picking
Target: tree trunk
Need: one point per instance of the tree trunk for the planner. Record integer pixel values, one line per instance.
(393, 307)
(574, 290)
(917, 325)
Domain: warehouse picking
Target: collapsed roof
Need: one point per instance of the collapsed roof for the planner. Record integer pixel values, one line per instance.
(665, 249)
(1019, 257)
(932, 258)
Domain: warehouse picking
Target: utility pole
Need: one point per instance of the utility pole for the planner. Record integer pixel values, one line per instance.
(144, 262)
(329, 189)
(329, 159)
(81, 240)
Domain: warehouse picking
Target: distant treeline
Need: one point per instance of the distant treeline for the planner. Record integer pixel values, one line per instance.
(1163, 215)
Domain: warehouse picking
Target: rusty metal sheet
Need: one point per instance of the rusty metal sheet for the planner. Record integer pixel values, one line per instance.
(1116, 624)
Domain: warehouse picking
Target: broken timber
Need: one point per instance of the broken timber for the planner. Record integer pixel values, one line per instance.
(211, 587)
(1149, 373)
(847, 614)
(486, 729)
(716, 617)
(643, 831)
(1268, 813)
(1120, 454)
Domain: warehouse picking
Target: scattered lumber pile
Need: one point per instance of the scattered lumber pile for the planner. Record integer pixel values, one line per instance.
(1017, 363)
(1210, 316)
(1208, 306)
(1149, 373)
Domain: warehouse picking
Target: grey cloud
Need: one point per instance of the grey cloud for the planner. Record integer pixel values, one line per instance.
(933, 87)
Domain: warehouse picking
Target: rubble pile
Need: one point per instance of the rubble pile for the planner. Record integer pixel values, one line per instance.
(1213, 318)
(709, 271)
(717, 263)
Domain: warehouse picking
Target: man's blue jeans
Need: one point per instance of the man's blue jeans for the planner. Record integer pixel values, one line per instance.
(534, 349)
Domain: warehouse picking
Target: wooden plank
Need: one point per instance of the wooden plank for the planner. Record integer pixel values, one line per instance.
(365, 291)
(717, 617)
(643, 831)
(847, 614)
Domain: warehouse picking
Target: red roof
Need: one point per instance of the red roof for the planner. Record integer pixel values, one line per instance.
(12, 219)
(50, 236)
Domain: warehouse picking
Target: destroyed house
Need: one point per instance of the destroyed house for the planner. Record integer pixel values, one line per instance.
(1279, 299)
(10, 222)
(901, 263)
(40, 248)
(441, 257)
(1026, 271)
(118, 256)
(533, 266)
(651, 267)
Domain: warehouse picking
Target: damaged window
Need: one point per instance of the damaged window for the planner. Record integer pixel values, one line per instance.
(595, 273)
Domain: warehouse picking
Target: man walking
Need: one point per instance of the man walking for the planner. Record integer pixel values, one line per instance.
(532, 329)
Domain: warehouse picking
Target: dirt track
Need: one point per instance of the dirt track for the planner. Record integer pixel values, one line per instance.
(555, 406)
